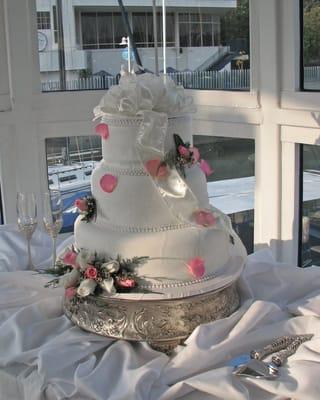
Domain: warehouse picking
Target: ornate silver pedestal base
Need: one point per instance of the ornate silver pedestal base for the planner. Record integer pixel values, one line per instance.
(162, 323)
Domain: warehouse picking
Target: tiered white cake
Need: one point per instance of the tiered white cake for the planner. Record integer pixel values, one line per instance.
(143, 212)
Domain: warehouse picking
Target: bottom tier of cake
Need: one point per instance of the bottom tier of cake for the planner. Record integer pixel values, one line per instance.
(169, 252)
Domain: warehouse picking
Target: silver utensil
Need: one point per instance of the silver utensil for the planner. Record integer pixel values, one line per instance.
(257, 368)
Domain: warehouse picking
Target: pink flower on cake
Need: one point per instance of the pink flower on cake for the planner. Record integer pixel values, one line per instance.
(81, 204)
(70, 258)
(205, 218)
(207, 170)
(108, 183)
(196, 267)
(70, 292)
(91, 272)
(195, 154)
(102, 130)
(126, 282)
(156, 168)
(183, 151)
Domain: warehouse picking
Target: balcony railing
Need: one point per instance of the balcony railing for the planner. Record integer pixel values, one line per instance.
(207, 80)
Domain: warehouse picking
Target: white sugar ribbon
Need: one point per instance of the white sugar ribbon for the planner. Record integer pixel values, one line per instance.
(153, 143)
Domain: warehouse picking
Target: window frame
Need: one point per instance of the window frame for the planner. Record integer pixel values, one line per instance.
(273, 105)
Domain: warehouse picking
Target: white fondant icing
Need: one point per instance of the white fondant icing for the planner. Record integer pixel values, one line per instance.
(135, 220)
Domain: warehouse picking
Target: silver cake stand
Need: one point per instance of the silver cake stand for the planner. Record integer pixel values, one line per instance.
(164, 324)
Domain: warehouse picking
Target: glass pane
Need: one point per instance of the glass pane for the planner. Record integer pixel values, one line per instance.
(231, 185)
(310, 207)
(207, 47)
(1, 209)
(139, 28)
(70, 162)
(105, 33)
(311, 48)
(89, 29)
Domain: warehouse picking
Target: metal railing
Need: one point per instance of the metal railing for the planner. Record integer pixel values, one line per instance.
(207, 80)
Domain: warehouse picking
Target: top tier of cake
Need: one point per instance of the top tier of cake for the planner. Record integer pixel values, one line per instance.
(120, 148)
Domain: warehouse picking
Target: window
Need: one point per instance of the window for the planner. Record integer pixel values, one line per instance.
(1, 210)
(207, 47)
(70, 162)
(43, 20)
(231, 186)
(197, 30)
(311, 50)
(55, 24)
(310, 206)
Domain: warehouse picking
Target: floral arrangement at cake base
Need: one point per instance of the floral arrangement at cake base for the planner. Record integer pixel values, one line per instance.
(82, 273)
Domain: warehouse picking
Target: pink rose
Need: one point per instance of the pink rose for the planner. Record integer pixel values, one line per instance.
(70, 258)
(195, 154)
(205, 167)
(183, 151)
(205, 218)
(91, 272)
(81, 204)
(156, 168)
(70, 292)
(196, 267)
(126, 283)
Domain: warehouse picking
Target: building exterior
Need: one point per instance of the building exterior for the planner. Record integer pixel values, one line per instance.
(93, 30)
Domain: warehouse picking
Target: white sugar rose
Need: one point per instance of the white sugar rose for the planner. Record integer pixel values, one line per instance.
(107, 285)
(70, 279)
(111, 266)
(86, 287)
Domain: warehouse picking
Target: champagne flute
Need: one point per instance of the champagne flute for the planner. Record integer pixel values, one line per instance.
(27, 219)
(52, 218)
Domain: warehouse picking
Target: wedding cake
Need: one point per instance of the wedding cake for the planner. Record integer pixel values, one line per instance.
(149, 228)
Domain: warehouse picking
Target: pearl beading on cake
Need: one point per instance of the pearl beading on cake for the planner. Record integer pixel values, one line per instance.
(148, 229)
(124, 122)
(178, 284)
(138, 171)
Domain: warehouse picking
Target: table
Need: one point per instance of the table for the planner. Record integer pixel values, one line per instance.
(44, 357)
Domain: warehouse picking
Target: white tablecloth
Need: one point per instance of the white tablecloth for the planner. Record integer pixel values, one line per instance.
(43, 356)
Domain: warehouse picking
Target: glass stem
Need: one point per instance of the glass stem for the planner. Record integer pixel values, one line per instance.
(54, 251)
(30, 265)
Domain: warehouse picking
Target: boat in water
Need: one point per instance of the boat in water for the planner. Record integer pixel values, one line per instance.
(73, 181)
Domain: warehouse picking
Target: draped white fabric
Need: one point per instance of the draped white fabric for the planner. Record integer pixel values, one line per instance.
(43, 356)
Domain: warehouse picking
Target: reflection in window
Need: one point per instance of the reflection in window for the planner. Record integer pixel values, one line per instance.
(1, 210)
(310, 206)
(311, 48)
(70, 162)
(231, 186)
(43, 20)
(207, 47)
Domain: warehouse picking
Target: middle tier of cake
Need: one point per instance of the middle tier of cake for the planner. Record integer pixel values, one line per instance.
(135, 200)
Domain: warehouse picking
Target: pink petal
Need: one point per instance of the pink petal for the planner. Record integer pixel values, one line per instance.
(70, 258)
(196, 267)
(205, 167)
(205, 218)
(195, 153)
(108, 183)
(156, 168)
(102, 130)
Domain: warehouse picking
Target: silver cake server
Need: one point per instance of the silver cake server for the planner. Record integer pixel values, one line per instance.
(257, 368)
(258, 354)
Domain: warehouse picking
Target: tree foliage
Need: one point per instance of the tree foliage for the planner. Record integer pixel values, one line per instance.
(235, 24)
(311, 32)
